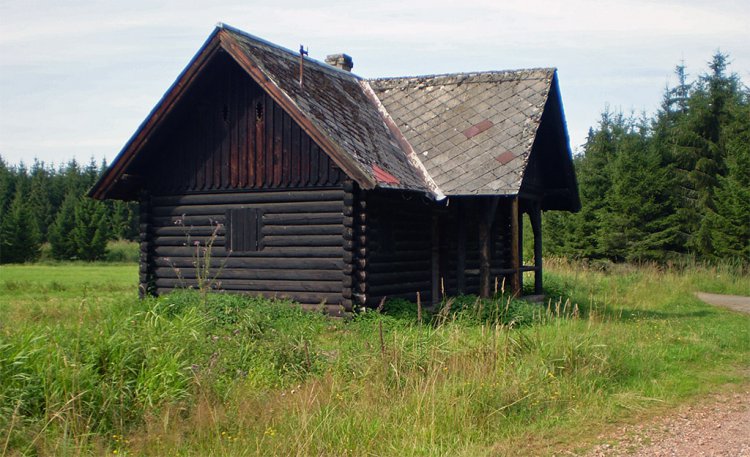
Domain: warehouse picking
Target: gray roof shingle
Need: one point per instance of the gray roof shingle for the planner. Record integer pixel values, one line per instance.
(433, 112)
(454, 134)
(336, 104)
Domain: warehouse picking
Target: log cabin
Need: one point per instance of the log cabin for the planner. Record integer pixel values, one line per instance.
(303, 180)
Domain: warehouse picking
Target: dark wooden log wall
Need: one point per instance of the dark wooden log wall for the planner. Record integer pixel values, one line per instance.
(399, 246)
(227, 134)
(301, 255)
(471, 211)
(229, 146)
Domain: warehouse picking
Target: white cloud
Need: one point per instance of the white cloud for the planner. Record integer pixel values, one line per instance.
(76, 70)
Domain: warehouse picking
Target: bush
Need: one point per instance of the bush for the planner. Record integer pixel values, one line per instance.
(122, 251)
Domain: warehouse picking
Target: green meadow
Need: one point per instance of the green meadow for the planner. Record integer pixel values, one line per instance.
(86, 368)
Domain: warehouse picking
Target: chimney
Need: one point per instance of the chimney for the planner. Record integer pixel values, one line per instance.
(341, 61)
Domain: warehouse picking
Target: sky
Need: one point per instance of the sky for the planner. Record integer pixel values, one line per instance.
(78, 77)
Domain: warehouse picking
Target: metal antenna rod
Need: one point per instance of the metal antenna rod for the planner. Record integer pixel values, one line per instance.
(302, 53)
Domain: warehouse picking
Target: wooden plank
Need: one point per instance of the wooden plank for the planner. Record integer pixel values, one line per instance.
(515, 247)
(232, 134)
(265, 285)
(278, 140)
(314, 162)
(396, 275)
(404, 288)
(328, 229)
(292, 263)
(536, 226)
(201, 148)
(254, 238)
(192, 149)
(260, 141)
(307, 240)
(247, 273)
(325, 206)
(250, 148)
(484, 257)
(402, 266)
(461, 249)
(220, 252)
(333, 194)
(243, 106)
(331, 299)
(324, 165)
(435, 259)
(295, 155)
(304, 166)
(286, 151)
(303, 218)
(187, 241)
(268, 151)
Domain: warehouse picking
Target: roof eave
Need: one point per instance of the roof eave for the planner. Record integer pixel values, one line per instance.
(337, 154)
(221, 38)
(142, 134)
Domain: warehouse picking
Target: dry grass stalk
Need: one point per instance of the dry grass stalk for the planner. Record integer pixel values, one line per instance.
(419, 309)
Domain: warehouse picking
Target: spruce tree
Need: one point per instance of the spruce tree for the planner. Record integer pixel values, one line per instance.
(19, 236)
(61, 232)
(39, 198)
(6, 187)
(90, 232)
(730, 221)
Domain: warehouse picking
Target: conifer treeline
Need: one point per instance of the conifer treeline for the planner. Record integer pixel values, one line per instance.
(652, 188)
(662, 187)
(47, 204)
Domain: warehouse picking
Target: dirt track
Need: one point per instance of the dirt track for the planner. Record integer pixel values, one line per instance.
(734, 302)
(718, 426)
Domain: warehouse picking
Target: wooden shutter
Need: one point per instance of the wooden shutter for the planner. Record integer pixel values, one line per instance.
(243, 229)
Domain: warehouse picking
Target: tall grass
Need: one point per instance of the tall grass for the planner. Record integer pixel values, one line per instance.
(118, 251)
(229, 375)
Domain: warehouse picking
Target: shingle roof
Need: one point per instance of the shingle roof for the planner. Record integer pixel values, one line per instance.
(473, 132)
(334, 101)
(457, 134)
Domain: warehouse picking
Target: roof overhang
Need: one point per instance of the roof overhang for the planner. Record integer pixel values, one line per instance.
(220, 39)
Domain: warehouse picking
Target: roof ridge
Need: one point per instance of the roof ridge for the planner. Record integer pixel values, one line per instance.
(403, 142)
(467, 77)
(290, 53)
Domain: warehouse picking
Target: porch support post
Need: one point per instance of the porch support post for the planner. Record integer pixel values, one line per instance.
(435, 260)
(461, 261)
(485, 224)
(536, 226)
(515, 248)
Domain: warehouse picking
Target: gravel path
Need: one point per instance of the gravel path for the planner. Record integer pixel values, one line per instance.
(734, 302)
(718, 426)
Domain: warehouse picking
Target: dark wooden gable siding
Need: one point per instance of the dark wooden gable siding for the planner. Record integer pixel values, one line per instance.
(227, 134)
(231, 162)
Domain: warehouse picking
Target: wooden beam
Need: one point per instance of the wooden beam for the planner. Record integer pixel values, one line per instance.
(435, 276)
(515, 248)
(485, 224)
(156, 117)
(484, 257)
(334, 151)
(461, 250)
(536, 226)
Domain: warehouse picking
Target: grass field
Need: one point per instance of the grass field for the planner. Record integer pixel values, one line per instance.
(88, 369)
